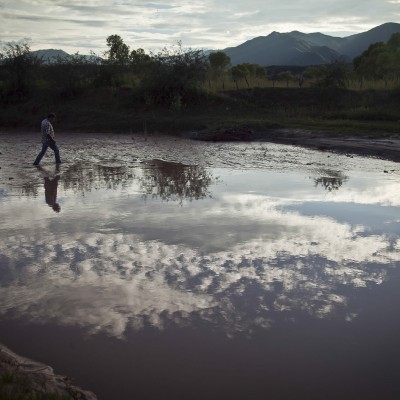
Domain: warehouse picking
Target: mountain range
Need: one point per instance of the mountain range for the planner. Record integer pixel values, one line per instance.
(293, 48)
(302, 49)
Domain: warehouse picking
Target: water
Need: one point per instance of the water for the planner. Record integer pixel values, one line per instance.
(188, 271)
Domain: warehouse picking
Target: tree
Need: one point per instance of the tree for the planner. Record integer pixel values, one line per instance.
(379, 61)
(260, 72)
(240, 71)
(336, 75)
(118, 52)
(366, 65)
(219, 65)
(117, 61)
(174, 74)
(139, 62)
(314, 73)
(219, 61)
(73, 73)
(285, 76)
(19, 65)
(393, 47)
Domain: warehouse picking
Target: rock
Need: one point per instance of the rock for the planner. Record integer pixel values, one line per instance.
(23, 378)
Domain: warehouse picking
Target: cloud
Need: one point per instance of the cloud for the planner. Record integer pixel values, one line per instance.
(202, 23)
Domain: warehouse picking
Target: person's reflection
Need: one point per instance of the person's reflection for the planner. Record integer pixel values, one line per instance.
(50, 192)
(50, 186)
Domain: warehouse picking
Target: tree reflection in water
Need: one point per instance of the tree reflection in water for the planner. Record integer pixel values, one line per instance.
(157, 178)
(84, 178)
(330, 180)
(175, 181)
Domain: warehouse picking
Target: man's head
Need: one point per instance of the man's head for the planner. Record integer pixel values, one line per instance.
(51, 117)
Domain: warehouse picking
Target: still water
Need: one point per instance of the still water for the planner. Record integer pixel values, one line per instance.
(153, 278)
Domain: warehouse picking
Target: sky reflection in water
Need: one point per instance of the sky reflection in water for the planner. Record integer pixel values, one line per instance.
(166, 244)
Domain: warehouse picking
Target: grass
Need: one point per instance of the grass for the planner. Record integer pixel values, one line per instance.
(16, 386)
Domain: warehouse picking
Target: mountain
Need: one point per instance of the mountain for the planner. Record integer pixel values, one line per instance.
(360, 42)
(50, 55)
(281, 49)
(297, 48)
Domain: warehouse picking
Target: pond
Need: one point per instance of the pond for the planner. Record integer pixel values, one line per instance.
(153, 267)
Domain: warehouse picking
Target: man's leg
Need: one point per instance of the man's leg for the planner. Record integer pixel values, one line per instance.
(54, 147)
(41, 154)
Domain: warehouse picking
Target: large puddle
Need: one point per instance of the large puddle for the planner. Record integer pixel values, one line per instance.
(162, 268)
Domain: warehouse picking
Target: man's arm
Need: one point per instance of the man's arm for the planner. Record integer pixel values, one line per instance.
(50, 132)
(50, 138)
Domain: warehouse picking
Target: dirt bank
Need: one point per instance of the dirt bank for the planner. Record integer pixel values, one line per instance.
(21, 378)
(386, 148)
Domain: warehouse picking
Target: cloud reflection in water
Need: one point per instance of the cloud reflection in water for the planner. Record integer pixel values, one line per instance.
(235, 259)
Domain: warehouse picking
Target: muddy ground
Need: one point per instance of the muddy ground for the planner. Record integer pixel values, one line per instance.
(387, 148)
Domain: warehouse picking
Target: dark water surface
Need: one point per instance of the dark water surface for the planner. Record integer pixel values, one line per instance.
(148, 277)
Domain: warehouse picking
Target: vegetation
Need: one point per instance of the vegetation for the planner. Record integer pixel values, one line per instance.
(380, 62)
(180, 89)
(17, 386)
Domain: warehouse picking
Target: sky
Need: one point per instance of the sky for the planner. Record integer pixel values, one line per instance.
(83, 26)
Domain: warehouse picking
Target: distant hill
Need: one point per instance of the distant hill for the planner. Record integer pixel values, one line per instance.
(297, 48)
(50, 55)
(360, 42)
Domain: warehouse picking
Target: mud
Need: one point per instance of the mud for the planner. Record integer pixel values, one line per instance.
(385, 148)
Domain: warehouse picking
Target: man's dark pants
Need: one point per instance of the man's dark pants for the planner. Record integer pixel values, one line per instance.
(54, 147)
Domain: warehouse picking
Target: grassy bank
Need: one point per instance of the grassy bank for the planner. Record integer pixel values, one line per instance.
(332, 111)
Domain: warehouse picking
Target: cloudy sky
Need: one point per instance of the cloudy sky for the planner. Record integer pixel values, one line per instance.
(76, 25)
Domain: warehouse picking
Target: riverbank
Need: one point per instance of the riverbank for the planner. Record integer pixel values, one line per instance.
(387, 148)
(25, 379)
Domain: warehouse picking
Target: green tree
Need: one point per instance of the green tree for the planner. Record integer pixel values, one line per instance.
(139, 60)
(260, 72)
(118, 52)
(314, 73)
(239, 72)
(117, 61)
(285, 76)
(366, 65)
(19, 66)
(73, 74)
(393, 47)
(379, 61)
(175, 74)
(336, 75)
(219, 65)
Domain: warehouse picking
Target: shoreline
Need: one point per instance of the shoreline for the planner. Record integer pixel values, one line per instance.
(20, 376)
(386, 148)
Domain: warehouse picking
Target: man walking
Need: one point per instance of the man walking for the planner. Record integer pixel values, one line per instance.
(48, 139)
